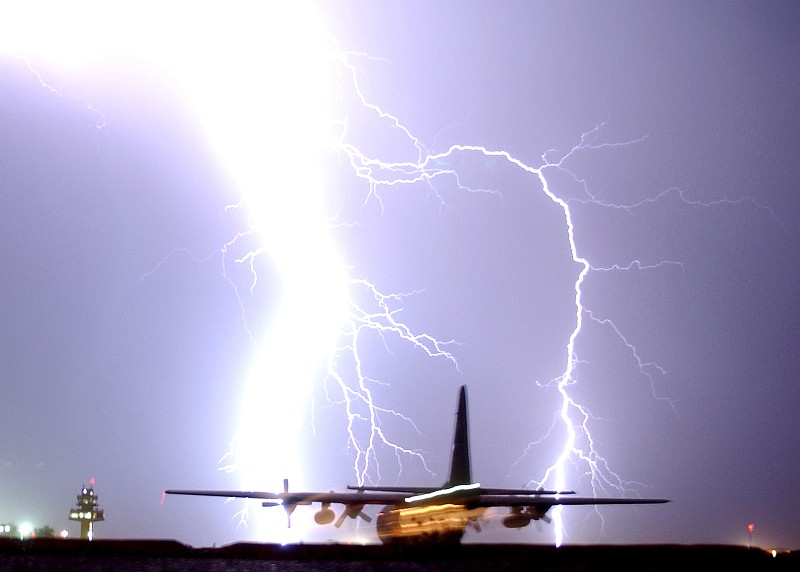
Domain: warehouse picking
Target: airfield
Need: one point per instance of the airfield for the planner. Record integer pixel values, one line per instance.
(68, 554)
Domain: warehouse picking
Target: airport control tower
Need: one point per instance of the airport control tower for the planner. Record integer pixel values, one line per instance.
(87, 512)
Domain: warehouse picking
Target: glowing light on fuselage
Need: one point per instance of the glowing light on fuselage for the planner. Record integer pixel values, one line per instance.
(442, 492)
(257, 90)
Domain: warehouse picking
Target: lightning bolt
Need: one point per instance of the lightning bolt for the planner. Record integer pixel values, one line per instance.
(572, 417)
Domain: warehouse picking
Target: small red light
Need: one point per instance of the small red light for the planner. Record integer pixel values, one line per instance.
(91, 481)
(751, 527)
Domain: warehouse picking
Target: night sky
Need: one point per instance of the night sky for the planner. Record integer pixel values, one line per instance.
(130, 332)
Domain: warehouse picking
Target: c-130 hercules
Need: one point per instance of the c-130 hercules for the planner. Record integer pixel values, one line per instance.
(427, 514)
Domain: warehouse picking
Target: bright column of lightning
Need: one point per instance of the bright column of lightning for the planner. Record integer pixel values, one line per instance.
(262, 105)
(270, 124)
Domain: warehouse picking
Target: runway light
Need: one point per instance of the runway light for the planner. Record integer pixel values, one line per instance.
(25, 529)
(64, 534)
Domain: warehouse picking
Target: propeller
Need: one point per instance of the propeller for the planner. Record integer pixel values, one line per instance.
(538, 524)
(288, 507)
(353, 511)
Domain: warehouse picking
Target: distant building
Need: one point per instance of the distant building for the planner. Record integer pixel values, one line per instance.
(87, 512)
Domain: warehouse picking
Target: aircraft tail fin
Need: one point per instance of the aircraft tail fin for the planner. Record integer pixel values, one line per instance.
(460, 470)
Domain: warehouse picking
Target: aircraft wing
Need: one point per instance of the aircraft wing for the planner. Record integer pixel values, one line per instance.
(546, 501)
(481, 499)
(227, 494)
(479, 490)
(295, 498)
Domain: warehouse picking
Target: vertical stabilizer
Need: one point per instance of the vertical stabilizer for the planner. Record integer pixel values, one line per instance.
(460, 470)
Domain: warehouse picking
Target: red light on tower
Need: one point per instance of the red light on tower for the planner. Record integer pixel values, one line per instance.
(751, 527)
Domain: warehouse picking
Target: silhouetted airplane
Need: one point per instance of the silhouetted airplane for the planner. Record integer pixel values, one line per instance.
(414, 514)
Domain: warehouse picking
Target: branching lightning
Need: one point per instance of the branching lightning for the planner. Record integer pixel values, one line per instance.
(571, 416)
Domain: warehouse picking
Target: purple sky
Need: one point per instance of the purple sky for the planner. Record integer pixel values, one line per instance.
(123, 363)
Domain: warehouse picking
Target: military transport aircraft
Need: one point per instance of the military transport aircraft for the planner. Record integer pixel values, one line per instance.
(420, 514)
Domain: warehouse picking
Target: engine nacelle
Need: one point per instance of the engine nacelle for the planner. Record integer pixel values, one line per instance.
(520, 517)
(324, 515)
(516, 520)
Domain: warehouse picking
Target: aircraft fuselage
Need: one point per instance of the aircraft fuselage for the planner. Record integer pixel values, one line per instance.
(425, 523)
